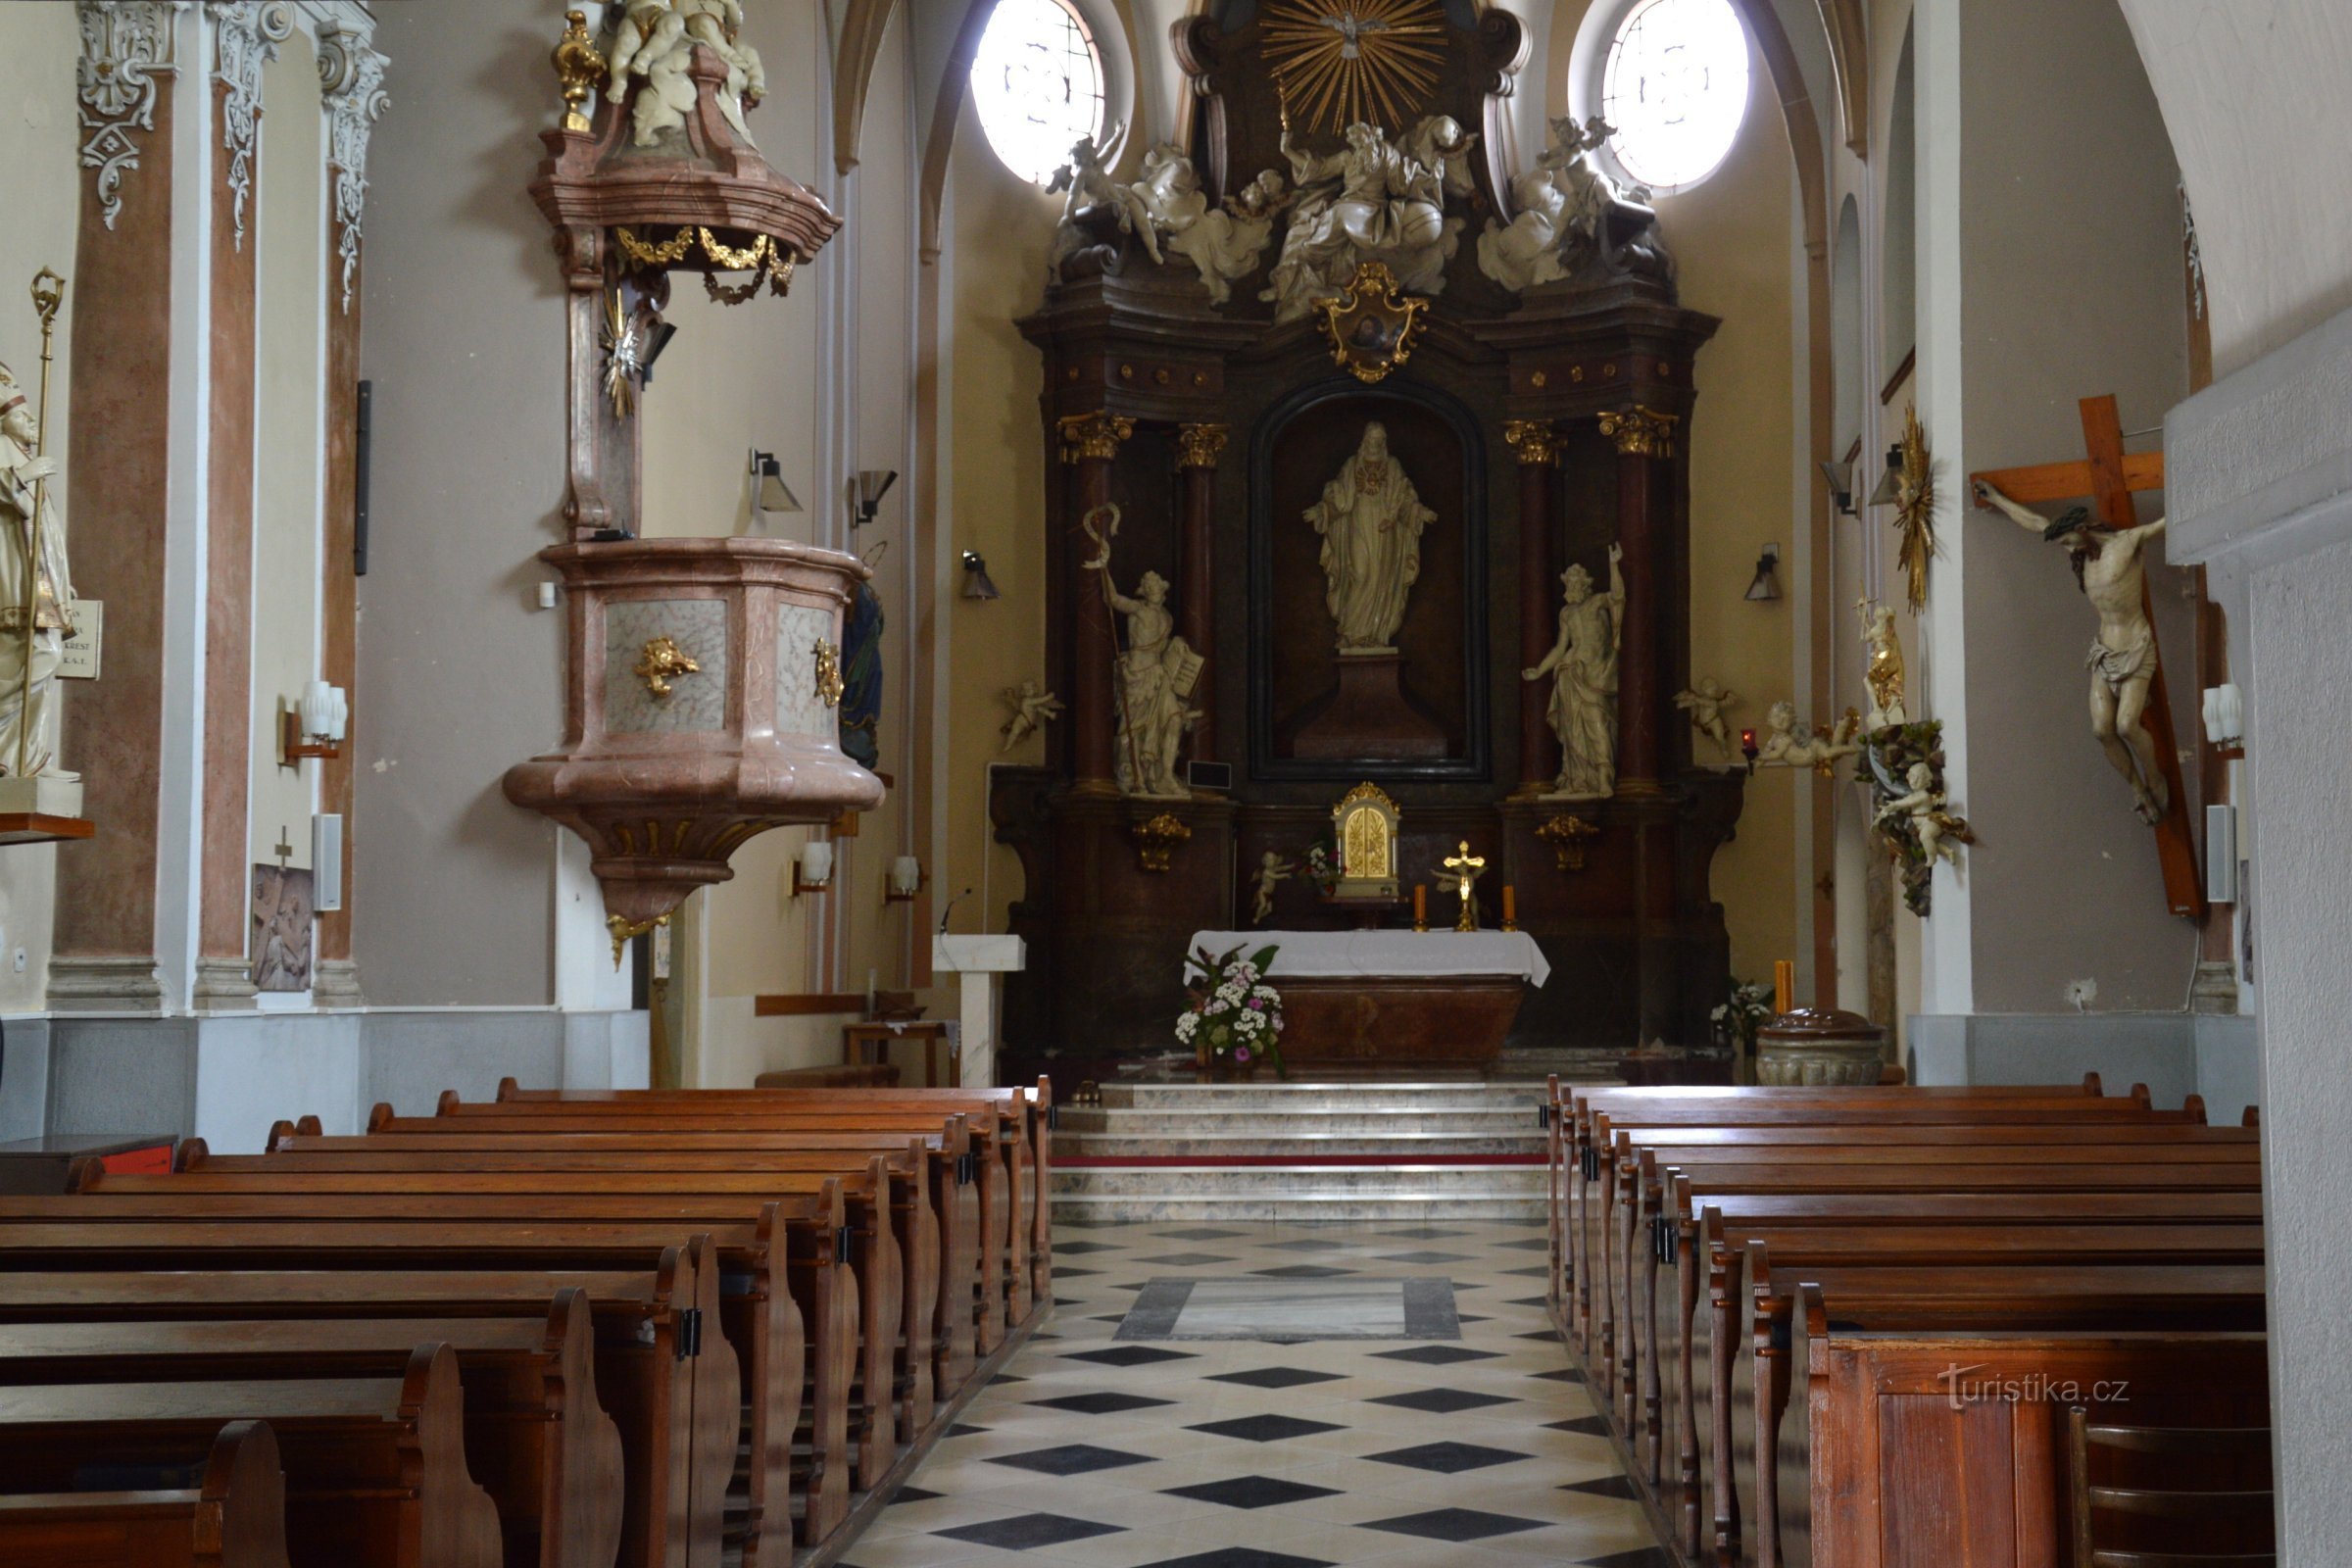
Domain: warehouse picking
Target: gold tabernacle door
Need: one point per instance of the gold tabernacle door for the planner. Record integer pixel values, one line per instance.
(1364, 829)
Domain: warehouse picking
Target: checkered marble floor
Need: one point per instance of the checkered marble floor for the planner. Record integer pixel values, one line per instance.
(1100, 1452)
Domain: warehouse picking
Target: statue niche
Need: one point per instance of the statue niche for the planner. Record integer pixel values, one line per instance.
(1369, 534)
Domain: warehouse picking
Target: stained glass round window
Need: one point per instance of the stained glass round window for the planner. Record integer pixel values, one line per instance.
(1676, 89)
(1037, 83)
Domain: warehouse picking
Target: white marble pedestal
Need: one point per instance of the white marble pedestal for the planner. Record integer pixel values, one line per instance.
(980, 959)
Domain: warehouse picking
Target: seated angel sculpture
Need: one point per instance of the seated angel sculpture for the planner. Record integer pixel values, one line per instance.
(1090, 186)
(1223, 243)
(1562, 204)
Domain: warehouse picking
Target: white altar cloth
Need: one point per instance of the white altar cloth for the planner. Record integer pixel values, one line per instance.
(1412, 954)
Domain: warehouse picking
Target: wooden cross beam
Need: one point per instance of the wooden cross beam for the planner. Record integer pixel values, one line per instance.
(2109, 476)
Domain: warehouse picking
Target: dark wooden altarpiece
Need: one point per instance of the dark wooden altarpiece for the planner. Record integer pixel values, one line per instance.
(1540, 428)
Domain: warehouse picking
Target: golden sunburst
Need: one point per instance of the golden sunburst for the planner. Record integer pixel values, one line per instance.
(1337, 61)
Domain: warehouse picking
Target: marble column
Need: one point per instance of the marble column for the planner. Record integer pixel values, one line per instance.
(1644, 441)
(1198, 447)
(119, 453)
(1538, 458)
(1089, 445)
(245, 38)
(352, 80)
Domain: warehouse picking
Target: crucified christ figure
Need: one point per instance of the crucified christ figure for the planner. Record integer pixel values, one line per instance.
(2122, 657)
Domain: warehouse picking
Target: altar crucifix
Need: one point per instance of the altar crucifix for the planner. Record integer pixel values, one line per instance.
(1466, 868)
(2109, 476)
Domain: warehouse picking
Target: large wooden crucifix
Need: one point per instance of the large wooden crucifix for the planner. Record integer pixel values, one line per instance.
(2109, 476)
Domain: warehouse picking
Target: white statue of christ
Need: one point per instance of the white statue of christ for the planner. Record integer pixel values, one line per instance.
(1371, 519)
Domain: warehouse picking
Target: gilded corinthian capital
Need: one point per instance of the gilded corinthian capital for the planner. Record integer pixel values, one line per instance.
(1198, 446)
(1639, 432)
(1534, 441)
(1093, 437)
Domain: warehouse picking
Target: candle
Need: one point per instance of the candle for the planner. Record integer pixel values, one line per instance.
(1420, 907)
(906, 875)
(1510, 907)
(1783, 985)
(816, 863)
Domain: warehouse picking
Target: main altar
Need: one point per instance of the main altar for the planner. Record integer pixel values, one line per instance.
(1370, 455)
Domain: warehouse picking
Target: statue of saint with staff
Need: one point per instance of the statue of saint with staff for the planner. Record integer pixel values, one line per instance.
(36, 588)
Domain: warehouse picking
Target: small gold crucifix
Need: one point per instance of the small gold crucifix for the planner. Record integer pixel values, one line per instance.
(283, 847)
(1465, 868)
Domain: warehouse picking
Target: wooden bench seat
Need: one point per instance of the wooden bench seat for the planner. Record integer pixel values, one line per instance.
(950, 1271)
(536, 1438)
(675, 1397)
(779, 1272)
(1006, 1185)
(376, 1471)
(233, 1516)
(893, 1248)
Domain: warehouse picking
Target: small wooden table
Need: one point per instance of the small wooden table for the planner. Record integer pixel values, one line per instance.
(858, 1040)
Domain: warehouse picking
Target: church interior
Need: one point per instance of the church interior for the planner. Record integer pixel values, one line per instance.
(1173, 783)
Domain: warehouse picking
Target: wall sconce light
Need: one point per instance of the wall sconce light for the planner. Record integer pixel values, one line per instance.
(769, 492)
(315, 725)
(1767, 585)
(866, 491)
(1887, 494)
(1842, 486)
(2225, 717)
(907, 879)
(976, 582)
(1749, 750)
(812, 868)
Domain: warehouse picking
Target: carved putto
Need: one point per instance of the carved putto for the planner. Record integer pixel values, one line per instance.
(1821, 748)
(654, 43)
(1223, 243)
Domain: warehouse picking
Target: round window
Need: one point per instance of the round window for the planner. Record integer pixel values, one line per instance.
(1676, 89)
(1037, 83)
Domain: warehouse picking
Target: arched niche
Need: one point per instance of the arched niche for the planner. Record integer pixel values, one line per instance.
(1846, 369)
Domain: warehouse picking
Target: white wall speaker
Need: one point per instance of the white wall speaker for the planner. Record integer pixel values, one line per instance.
(326, 861)
(2220, 853)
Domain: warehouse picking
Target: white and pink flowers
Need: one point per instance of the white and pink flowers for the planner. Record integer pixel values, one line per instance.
(1234, 1014)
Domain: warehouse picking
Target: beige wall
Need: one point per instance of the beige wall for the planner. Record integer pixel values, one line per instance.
(38, 48)
(289, 227)
(1734, 239)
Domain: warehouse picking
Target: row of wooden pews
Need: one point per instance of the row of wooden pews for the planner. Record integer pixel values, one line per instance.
(571, 1331)
(1846, 1327)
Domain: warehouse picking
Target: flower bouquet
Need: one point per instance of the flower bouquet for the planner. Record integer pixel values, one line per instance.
(1235, 1021)
(1746, 1008)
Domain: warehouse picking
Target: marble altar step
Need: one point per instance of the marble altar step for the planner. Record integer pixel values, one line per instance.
(1302, 1151)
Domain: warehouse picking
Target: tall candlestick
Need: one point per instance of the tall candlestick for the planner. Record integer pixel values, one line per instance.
(1510, 908)
(1420, 907)
(1784, 986)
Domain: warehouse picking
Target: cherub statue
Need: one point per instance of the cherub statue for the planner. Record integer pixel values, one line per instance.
(1707, 701)
(2123, 655)
(1090, 185)
(1272, 868)
(1939, 833)
(1884, 677)
(1032, 704)
(1821, 750)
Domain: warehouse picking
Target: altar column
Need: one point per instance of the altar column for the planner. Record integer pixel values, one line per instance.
(1090, 444)
(1198, 447)
(1644, 440)
(1538, 455)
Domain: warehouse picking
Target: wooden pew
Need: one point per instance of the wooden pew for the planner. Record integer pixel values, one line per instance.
(234, 1516)
(898, 1284)
(1024, 1117)
(952, 1208)
(1006, 1234)
(1970, 1300)
(374, 1467)
(678, 1450)
(535, 1436)
(779, 1270)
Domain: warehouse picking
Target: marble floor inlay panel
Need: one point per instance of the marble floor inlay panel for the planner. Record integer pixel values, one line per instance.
(1472, 1445)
